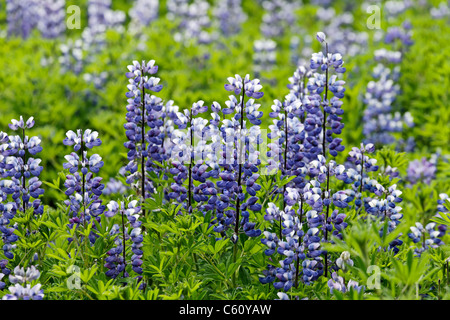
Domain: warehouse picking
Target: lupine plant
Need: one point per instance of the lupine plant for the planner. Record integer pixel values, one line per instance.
(143, 127)
(230, 16)
(20, 168)
(381, 119)
(239, 158)
(82, 187)
(192, 20)
(264, 56)
(27, 292)
(189, 154)
(294, 243)
(129, 229)
(22, 17)
(144, 12)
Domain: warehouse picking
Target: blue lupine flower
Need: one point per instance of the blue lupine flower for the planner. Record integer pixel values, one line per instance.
(19, 292)
(21, 278)
(7, 213)
(117, 260)
(144, 127)
(192, 20)
(16, 164)
(352, 284)
(190, 155)
(278, 16)
(83, 189)
(320, 84)
(114, 186)
(321, 37)
(239, 162)
(443, 203)
(336, 283)
(250, 87)
(143, 13)
(229, 15)
(380, 119)
(419, 232)
(22, 17)
(264, 55)
(52, 18)
(423, 171)
(344, 261)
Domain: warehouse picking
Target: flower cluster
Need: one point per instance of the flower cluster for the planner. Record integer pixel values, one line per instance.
(419, 234)
(229, 16)
(192, 19)
(443, 203)
(144, 127)
(440, 12)
(237, 187)
(101, 17)
(264, 56)
(52, 22)
(337, 283)
(278, 16)
(22, 17)
(344, 39)
(191, 149)
(116, 262)
(421, 171)
(143, 13)
(82, 187)
(312, 212)
(114, 186)
(72, 56)
(381, 119)
(48, 16)
(19, 279)
(19, 168)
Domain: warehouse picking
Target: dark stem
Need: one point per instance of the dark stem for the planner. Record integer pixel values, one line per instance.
(324, 154)
(324, 112)
(238, 202)
(143, 146)
(190, 165)
(303, 79)
(83, 186)
(439, 289)
(326, 219)
(123, 244)
(285, 164)
(236, 227)
(297, 264)
(24, 159)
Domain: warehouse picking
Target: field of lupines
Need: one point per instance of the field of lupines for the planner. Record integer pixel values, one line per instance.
(224, 150)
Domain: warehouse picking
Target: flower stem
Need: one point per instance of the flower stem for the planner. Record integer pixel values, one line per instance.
(238, 204)
(83, 184)
(143, 146)
(297, 264)
(190, 165)
(123, 244)
(24, 159)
